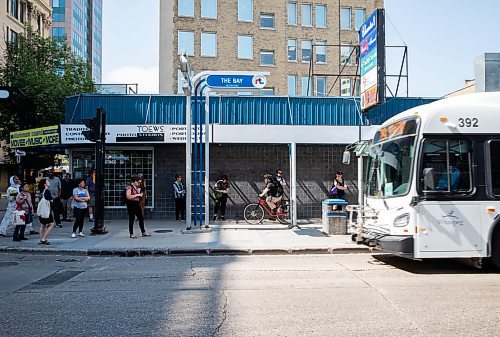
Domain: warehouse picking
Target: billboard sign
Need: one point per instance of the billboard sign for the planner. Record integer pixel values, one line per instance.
(240, 81)
(48, 135)
(372, 59)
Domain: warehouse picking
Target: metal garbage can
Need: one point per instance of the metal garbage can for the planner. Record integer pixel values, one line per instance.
(334, 222)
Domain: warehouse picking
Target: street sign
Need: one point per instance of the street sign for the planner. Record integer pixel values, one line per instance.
(240, 81)
(20, 153)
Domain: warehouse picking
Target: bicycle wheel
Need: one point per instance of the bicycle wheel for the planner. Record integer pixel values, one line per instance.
(253, 214)
(284, 218)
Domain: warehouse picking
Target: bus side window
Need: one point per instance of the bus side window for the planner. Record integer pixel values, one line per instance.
(495, 167)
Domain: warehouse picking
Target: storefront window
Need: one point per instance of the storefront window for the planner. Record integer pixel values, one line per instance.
(120, 166)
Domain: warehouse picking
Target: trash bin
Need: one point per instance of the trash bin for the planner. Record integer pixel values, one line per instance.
(334, 222)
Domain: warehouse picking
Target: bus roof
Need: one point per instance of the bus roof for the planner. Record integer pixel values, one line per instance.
(465, 114)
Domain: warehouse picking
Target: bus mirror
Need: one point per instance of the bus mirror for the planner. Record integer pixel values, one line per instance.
(346, 158)
(414, 201)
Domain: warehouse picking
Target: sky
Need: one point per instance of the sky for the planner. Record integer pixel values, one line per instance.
(443, 38)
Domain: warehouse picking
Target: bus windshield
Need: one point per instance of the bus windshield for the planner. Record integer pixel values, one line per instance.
(390, 161)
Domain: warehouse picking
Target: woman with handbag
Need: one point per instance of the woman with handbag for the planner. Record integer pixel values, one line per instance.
(24, 204)
(8, 219)
(337, 191)
(44, 212)
(221, 189)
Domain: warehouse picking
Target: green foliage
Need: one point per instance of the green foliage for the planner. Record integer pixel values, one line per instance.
(42, 72)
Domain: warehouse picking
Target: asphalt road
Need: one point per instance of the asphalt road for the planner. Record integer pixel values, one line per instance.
(303, 295)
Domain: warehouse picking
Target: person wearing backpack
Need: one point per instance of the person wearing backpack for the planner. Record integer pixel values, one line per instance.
(273, 192)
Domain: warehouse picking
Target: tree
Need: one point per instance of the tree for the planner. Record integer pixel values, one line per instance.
(41, 72)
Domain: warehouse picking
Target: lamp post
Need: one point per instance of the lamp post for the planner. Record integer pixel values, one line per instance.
(187, 86)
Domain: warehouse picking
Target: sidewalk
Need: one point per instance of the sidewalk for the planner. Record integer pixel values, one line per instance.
(229, 237)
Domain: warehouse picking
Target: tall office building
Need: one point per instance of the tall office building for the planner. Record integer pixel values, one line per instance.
(303, 44)
(81, 22)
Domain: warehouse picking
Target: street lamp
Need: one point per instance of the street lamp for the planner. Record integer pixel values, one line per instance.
(185, 68)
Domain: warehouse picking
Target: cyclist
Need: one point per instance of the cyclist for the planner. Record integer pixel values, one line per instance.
(273, 192)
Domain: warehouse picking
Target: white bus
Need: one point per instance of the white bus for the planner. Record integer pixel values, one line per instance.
(433, 181)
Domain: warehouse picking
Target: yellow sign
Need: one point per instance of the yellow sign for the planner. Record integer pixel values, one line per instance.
(48, 135)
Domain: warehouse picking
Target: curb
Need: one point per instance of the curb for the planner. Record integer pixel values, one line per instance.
(141, 252)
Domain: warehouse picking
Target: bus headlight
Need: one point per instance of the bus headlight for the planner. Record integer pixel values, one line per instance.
(402, 220)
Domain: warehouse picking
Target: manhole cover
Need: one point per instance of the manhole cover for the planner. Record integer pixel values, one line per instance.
(8, 264)
(164, 231)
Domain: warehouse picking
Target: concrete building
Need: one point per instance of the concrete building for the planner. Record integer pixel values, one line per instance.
(285, 38)
(80, 21)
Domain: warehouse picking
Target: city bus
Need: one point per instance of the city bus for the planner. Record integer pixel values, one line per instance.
(433, 181)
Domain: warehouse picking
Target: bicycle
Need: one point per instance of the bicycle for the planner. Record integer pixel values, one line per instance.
(254, 213)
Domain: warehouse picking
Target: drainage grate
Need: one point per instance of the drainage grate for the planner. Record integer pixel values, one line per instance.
(8, 264)
(161, 231)
(53, 279)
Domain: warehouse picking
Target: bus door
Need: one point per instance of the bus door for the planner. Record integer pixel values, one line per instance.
(447, 220)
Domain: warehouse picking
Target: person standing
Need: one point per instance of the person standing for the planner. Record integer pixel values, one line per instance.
(24, 203)
(221, 186)
(133, 197)
(79, 202)
(90, 186)
(180, 198)
(281, 179)
(67, 185)
(55, 190)
(338, 187)
(8, 218)
(46, 224)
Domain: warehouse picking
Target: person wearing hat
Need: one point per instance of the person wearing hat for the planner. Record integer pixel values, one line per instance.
(339, 186)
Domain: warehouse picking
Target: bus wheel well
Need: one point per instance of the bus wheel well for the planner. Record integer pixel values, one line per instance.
(494, 260)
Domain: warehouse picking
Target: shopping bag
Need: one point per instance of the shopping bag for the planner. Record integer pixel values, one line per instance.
(43, 209)
(19, 218)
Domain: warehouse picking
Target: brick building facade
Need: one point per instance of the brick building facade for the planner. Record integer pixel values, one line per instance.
(280, 36)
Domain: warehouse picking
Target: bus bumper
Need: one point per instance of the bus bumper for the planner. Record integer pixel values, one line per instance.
(397, 245)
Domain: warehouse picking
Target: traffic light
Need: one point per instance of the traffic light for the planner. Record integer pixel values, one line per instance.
(93, 133)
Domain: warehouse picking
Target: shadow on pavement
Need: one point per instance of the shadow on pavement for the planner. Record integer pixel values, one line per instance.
(432, 266)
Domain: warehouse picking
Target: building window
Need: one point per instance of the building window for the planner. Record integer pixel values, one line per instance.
(12, 37)
(245, 10)
(13, 8)
(345, 18)
(292, 13)
(345, 55)
(359, 18)
(345, 87)
(58, 33)
(185, 7)
(209, 44)
(267, 92)
(292, 50)
(292, 85)
(181, 82)
(185, 41)
(306, 50)
(321, 16)
(209, 9)
(267, 21)
(321, 86)
(306, 86)
(39, 23)
(320, 51)
(266, 57)
(120, 166)
(22, 12)
(306, 14)
(58, 10)
(245, 47)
